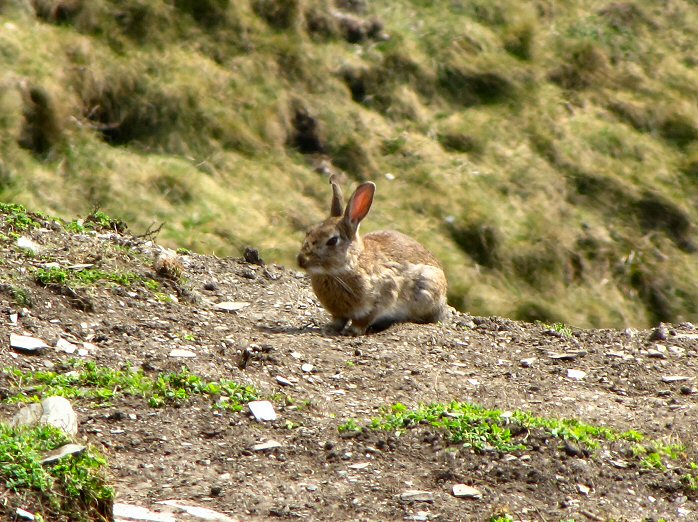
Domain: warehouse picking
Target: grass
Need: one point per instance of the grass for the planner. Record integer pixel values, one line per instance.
(73, 482)
(101, 385)
(553, 207)
(482, 429)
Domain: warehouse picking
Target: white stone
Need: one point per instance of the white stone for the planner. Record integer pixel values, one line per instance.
(179, 352)
(27, 344)
(231, 306)
(416, 495)
(66, 346)
(25, 514)
(262, 410)
(465, 491)
(307, 367)
(63, 451)
(27, 244)
(674, 378)
(130, 513)
(56, 411)
(576, 375)
(264, 446)
(202, 513)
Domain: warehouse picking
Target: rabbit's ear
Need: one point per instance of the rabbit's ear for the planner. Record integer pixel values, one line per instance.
(359, 205)
(337, 198)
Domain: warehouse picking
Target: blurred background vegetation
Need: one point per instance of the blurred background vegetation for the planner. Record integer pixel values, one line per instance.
(546, 151)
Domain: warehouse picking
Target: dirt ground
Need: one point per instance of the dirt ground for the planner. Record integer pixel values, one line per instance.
(198, 454)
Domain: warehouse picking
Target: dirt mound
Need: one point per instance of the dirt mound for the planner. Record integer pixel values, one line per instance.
(162, 317)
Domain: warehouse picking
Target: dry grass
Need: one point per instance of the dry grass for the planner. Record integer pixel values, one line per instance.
(546, 152)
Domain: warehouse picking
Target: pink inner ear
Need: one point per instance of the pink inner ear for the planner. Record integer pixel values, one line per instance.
(361, 203)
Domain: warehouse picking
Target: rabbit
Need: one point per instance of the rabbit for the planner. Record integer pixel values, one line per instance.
(381, 278)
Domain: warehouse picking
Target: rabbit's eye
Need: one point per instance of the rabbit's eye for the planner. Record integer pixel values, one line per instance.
(332, 241)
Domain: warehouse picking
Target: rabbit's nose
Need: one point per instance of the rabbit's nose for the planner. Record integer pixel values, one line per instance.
(302, 261)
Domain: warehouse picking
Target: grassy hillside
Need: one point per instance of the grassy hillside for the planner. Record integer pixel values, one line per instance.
(546, 151)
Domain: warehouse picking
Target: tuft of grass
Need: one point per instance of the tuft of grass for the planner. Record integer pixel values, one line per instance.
(87, 380)
(75, 481)
(84, 277)
(17, 218)
(483, 429)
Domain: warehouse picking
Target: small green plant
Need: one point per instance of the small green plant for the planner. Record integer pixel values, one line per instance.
(349, 426)
(21, 296)
(85, 277)
(561, 328)
(78, 480)
(17, 218)
(87, 380)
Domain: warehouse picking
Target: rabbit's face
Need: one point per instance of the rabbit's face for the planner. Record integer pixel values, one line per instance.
(326, 249)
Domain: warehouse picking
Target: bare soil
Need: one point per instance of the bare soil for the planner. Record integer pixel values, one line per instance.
(202, 455)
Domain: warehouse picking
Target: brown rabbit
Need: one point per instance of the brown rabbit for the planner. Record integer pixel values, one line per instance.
(378, 279)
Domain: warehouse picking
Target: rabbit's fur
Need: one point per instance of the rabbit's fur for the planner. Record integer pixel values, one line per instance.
(380, 278)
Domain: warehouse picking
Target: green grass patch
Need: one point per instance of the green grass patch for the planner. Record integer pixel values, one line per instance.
(72, 484)
(85, 277)
(17, 218)
(87, 380)
(483, 429)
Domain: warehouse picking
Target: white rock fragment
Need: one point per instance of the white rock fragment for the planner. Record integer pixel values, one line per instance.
(66, 346)
(675, 378)
(198, 512)
(130, 513)
(576, 375)
(360, 465)
(14, 317)
(231, 306)
(26, 243)
(528, 362)
(25, 515)
(56, 411)
(63, 451)
(283, 381)
(179, 352)
(24, 343)
(584, 490)
(416, 495)
(262, 410)
(265, 446)
(307, 367)
(465, 491)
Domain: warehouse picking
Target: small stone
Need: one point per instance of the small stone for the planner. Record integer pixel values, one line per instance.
(415, 495)
(307, 368)
(63, 451)
(656, 354)
(567, 356)
(576, 375)
(689, 390)
(659, 334)
(27, 244)
(14, 317)
(265, 446)
(56, 411)
(465, 491)
(197, 511)
(24, 343)
(283, 381)
(231, 306)
(584, 490)
(360, 465)
(262, 410)
(66, 346)
(26, 515)
(311, 487)
(528, 362)
(179, 352)
(131, 513)
(252, 256)
(674, 378)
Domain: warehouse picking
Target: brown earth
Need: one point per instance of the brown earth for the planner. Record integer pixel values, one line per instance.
(199, 454)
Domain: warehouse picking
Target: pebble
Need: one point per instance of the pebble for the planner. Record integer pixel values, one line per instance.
(659, 334)
(584, 490)
(66, 346)
(416, 495)
(576, 375)
(674, 378)
(27, 244)
(268, 445)
(63, 451)
(21, 513)
(528, 362)
(307, 367)
(262, 410)
(197, 511)
(56, 411)
(24, 343)
(465, 491)
(283, 381)
(128, 513)
(231, 306)
(179, 352)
